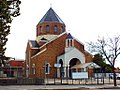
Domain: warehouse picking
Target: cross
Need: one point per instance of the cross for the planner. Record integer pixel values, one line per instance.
(50, 5)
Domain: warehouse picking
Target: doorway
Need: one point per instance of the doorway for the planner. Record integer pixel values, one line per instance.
(73, 62)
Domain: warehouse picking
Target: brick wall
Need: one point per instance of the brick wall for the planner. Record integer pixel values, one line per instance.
(49, 53)
(51, 26)
(79, 46)
(54, 49)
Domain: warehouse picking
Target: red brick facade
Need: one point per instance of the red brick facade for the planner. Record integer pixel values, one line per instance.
(39, 52)
(60, 27)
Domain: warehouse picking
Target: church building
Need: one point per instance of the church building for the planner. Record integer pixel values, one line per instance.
(54, 51)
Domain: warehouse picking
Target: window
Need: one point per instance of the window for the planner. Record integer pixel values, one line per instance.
(40, 29)
(61, 29)
(68, 42)
(33, 68)
(71, 42)
(27, 71)
(47, 68)
(47, 28)
(55, 28)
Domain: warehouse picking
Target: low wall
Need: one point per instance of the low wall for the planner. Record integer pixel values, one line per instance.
(29, 81)
(7, 81)
(21, 81)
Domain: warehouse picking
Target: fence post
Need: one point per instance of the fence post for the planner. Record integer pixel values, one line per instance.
(97, 79)
(67, 74)
(54, 77)
(103, 76)
(61, 75)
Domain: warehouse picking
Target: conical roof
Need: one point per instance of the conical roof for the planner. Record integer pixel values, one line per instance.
(69, 36)
(51, 16)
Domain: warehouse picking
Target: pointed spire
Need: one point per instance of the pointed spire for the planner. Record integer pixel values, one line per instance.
(69, 36)
(51, 16)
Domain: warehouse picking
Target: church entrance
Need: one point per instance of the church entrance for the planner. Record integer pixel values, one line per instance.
(73, 62)
(61, 68)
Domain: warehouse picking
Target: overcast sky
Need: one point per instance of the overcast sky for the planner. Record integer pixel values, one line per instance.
(84, 19)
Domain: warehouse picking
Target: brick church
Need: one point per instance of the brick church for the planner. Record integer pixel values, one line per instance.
(54, 50)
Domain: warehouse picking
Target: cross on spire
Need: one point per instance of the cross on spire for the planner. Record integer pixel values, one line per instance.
(50, 5)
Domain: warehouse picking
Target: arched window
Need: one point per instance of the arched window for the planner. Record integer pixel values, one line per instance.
(71, 42)
(55, 28)
(47, 68)
(33, 68)
(61, 29)
(47, 28)
(27, 70)
(68, 43)
(61, 68)
(40, 29)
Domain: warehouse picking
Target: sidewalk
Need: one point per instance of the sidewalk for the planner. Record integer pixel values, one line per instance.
(103, 87)
(57, 87)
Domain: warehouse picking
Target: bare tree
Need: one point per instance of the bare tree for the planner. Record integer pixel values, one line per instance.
(109, 48)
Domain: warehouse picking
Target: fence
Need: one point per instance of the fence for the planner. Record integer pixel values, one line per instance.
(16, 78)
(50, 81)
(89, 81)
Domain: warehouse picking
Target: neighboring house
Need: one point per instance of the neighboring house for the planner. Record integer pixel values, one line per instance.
(52, 48)
(117, 70)
(14, 68)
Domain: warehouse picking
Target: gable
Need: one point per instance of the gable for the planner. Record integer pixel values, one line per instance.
(56, 45)
(73, 53)
(54, 39)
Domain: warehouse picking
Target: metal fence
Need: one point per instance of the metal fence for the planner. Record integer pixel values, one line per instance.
(89, 81)
(16, 77)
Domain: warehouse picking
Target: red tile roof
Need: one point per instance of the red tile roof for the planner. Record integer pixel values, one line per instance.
(16, 62)
(117, 71)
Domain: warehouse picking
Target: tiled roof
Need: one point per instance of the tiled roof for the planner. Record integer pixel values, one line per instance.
(16, 63)
(34, 44)
(118, 71)
(51, 16)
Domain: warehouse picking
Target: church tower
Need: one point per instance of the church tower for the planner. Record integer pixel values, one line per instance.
(69, 43)
(49, 26)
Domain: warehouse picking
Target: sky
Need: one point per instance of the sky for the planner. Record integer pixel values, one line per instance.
(84, 19)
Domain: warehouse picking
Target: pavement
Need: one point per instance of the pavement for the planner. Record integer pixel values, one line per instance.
(59, 87)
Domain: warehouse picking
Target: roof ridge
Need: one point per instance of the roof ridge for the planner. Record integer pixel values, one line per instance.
(53, 39)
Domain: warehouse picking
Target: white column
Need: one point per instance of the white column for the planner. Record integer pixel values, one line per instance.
(68, 71)
(72, 42)
(58, 72)
(64, 70)
(66, 42)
